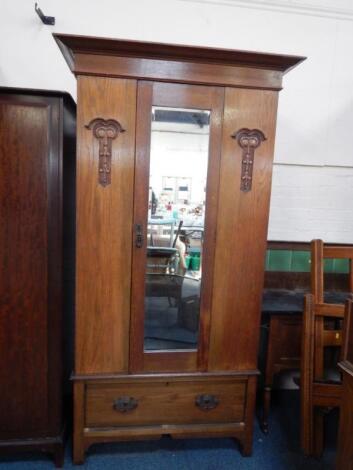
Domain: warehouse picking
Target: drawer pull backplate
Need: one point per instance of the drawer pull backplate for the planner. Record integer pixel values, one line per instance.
(206, 402)
(125, 404)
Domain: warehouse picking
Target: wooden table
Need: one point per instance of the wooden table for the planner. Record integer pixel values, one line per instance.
(282, 316)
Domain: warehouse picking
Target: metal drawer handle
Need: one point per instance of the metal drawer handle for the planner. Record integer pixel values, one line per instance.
(125, 404)
(206, 402)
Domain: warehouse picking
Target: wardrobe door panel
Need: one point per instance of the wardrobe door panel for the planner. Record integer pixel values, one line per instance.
(24, 268)
(242, 227)
(105, 176)
(176, 189)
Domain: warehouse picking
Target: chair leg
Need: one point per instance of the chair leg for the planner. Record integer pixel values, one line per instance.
(245, 447)
(306, 427)
(318, 432)
(266, 409)
(306, 372)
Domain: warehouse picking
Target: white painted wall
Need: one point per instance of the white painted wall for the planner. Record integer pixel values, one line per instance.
(313, 176)
(180, 155)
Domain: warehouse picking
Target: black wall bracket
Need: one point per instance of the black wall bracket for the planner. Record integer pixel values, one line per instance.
(46, 19)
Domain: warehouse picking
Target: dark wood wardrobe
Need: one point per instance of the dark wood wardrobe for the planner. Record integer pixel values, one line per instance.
(174, 165)
(37, 186)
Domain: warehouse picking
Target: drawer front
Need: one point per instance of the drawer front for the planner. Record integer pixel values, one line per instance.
(179, 402)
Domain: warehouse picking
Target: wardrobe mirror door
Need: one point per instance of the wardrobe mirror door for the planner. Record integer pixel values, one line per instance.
(179, 151)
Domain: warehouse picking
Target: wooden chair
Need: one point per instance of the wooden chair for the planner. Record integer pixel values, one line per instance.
(320, 252)
(322, 329)
(345, 449)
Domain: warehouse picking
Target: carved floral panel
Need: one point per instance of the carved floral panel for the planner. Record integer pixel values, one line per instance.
(105, 131)
(249, 141)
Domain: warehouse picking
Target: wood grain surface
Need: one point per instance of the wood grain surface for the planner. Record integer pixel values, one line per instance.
(104, 235)
(166, 403)
(241, 233)
(24, 268)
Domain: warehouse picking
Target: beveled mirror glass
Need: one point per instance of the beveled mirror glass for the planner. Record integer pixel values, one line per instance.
(176, 214)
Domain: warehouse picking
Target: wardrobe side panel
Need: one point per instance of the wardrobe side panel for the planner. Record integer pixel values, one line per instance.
(241, 233)
(104, 228)
(24, 195)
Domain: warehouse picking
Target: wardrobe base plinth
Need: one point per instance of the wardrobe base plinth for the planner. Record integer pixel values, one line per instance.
(145, 408)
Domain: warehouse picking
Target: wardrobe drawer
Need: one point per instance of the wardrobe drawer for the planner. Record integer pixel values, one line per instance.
(178, 402)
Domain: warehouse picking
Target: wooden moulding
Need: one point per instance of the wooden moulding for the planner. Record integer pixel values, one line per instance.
(177, 63)
(162, 377)
(178, 431)
(51, 445)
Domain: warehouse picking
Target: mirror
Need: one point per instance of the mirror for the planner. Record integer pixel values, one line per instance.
(176, 214)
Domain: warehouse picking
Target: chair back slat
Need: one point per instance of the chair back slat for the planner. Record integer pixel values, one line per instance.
(329, 310)
(332, 338)
(337, 252)
(320, 252)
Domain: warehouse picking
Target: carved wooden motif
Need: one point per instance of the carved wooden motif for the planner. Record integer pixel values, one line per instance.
(248, 140)
(105, 131)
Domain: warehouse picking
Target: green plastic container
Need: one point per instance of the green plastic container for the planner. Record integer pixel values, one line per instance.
(195, 262)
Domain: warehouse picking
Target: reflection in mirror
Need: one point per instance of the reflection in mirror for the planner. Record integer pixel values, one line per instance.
(176, 214)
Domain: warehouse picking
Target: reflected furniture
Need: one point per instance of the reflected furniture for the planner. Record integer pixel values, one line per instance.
(162, 256)
(129, 93)
(37, 166)
(321, 386)
(344, 448)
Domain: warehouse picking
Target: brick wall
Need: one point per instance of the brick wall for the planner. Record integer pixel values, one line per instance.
(312, 202)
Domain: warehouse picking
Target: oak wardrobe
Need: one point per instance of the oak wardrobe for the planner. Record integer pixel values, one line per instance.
(174, 162)
(37, 182)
